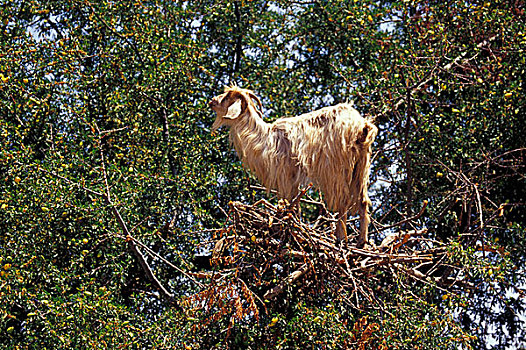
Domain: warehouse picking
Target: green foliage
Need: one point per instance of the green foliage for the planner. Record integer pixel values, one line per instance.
(105, 99)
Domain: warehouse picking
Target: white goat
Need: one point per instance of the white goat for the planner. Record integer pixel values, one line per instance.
(330, 147)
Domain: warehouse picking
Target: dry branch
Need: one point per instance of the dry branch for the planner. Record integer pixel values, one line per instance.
(271, 294)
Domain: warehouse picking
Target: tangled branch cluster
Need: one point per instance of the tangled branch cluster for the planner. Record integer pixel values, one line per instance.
(267, 253)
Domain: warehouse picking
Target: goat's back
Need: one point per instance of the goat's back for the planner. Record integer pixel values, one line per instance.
(332, 148)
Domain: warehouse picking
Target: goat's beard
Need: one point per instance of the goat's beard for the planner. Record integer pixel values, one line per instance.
(217, 124)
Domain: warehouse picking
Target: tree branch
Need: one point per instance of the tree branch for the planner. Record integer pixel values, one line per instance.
(271, 294)
(129, 239)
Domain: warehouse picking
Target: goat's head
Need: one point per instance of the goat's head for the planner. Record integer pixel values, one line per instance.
(232, 105)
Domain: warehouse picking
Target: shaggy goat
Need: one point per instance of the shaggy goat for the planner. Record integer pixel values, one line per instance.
(330, 147)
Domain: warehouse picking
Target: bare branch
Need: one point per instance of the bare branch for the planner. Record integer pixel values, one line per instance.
(271, 294)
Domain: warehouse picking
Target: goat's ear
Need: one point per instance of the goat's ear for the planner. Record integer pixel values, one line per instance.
(234, 111)
(234, 96)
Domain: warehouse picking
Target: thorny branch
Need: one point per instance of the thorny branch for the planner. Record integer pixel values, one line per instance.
(132, 246)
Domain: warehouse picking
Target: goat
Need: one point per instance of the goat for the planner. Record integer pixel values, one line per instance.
(330, 147)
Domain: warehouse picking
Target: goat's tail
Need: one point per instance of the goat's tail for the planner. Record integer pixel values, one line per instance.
(368, 135)
(360, 175)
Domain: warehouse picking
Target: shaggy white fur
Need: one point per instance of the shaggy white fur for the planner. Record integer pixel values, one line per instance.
(330, 147)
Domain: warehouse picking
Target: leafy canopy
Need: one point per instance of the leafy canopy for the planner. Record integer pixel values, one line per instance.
(103, 114)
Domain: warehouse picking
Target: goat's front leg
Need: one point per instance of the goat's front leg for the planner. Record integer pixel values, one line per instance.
(341, 227)
(363, 211)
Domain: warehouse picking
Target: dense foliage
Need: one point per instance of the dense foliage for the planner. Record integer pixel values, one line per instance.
(106, 157)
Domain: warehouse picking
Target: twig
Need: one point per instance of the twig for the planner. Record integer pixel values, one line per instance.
(412, 218)
(274, 192)
(89, 190)
(296, 200)
(271, 294)
(154, 254)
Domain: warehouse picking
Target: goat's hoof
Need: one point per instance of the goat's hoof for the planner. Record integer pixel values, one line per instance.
(363, 245)
(341, 244)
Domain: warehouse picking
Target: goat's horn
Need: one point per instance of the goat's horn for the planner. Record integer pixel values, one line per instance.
(255, 98)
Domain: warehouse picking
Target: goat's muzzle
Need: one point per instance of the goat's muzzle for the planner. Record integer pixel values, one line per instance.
(213, 103)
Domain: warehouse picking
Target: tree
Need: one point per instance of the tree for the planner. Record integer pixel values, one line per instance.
(113, 188)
